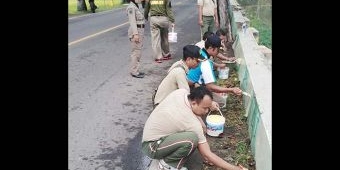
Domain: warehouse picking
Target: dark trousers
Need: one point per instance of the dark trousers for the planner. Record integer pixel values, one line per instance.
(93, 6)
(173, 149)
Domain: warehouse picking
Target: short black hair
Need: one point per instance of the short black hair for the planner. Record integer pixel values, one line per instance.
(207, 34)
(197, 94)
(213, 41)
(191, 51)
(221, 32)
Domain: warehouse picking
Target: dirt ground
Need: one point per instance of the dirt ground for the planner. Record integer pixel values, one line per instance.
(234, 145)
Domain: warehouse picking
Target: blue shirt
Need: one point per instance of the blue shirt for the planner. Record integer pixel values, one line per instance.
(195, 75)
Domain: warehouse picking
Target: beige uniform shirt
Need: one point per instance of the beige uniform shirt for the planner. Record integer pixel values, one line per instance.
(175, 79)
(135, 16)
(173, 115)
(208, 6)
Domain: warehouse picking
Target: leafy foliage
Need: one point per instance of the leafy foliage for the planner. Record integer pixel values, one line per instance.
(102, 6)
(264, 31)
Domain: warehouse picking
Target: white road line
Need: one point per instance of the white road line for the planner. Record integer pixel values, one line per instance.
(98, 33)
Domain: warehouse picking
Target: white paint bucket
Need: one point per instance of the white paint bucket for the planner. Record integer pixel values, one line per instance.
(223, 73)
(215, 124)
(172, 36)
(224, 96)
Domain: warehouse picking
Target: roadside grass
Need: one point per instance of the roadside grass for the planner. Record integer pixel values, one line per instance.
(103, 5)
(265, 31)
(262, 21)
(242, 153)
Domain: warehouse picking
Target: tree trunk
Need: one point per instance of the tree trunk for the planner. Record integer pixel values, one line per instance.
(81, 5)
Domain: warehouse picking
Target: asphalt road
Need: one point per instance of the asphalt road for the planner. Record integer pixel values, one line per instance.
(107, 107)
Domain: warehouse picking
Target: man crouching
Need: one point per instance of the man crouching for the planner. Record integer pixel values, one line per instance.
(173, 130)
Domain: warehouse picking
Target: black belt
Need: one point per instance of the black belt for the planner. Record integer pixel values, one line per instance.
(154, 106)
(140, 25)
(157, 15)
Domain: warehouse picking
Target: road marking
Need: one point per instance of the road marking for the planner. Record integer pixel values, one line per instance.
(98, 33)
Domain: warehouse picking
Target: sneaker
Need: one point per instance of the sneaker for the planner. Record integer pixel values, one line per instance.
(164, 166)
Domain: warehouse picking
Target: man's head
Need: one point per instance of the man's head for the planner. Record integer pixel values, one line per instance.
(191, 56)
(212, 45)
(207, 34)
(201, 100)
(222, 33)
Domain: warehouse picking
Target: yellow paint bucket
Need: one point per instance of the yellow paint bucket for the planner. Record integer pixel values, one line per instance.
(215, 124)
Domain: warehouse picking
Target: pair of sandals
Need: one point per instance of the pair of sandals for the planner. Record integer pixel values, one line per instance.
(163, 58)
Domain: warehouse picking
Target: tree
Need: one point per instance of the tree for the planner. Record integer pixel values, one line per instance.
(81, 5)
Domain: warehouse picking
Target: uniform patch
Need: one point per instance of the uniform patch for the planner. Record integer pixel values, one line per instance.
(157, 2)
(130, 11)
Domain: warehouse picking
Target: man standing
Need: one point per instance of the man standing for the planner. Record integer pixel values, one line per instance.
(173, 131)
(161, 16)
(207, 15)
(136, 35)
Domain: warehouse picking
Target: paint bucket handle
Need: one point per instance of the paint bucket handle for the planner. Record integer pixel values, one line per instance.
(218, 111)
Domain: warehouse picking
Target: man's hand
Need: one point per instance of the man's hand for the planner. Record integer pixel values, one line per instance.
(214, 106)
(217, 25)
(237, 91)
(231, 58)
(242, 168)
(135, 38)
(200, 22)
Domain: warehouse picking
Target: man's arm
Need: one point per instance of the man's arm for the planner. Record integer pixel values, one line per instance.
(200, 15)
(223, 57)
(146, 9)
(204, 127)
(216, 19)
(219, 65)
(169, 12)
(133, 24)
(218, 89)
(211, 157)
(181, 79)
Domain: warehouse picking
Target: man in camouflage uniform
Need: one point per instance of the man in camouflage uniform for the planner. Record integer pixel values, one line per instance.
(136, 35)
(161, 16)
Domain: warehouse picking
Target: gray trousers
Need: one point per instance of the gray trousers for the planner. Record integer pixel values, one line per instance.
(173, 149)
(159, 26)
(136, 52)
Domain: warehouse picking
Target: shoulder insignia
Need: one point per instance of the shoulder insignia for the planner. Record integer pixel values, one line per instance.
(130, 11)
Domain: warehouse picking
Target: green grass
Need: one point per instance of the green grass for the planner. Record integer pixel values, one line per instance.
(259, 13)
(265, 31)
(243, 153)
(103, 5)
